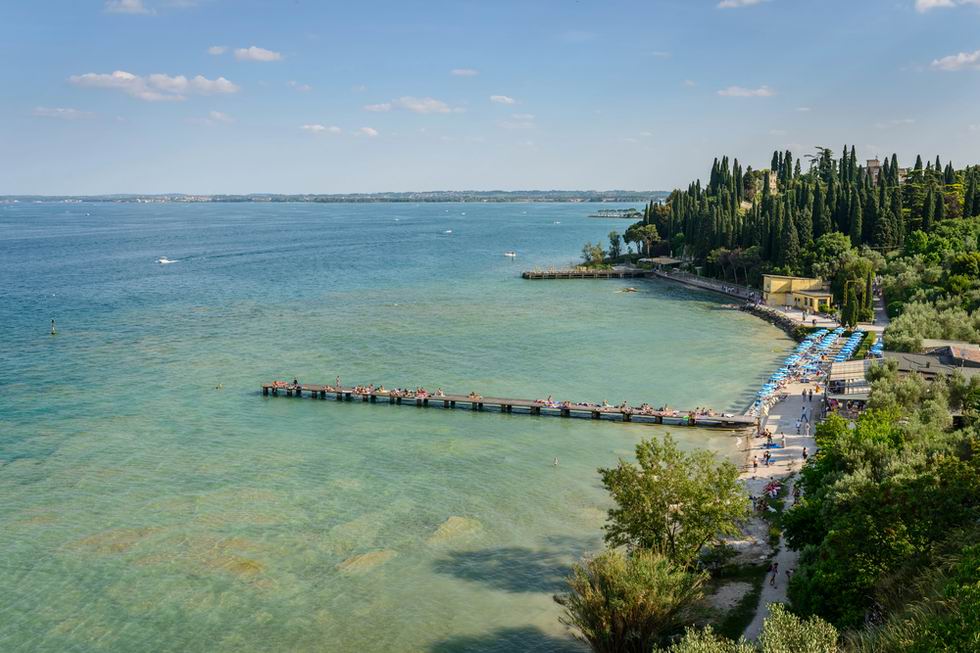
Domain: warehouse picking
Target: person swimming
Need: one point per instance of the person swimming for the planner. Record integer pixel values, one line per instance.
(556, 461)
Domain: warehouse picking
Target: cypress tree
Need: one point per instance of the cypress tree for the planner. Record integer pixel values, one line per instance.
(856, 220)
(928, 211)
(849, 314)
(939, 165)
(950, 174)
(897, 216)
(868, 292)
(894, 170)
(970, 196)
(918, 163)
(790, 242)
(821, 218)
(940, 214)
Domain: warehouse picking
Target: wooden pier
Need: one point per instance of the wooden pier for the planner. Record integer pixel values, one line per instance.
(585, 273)
(513, 406)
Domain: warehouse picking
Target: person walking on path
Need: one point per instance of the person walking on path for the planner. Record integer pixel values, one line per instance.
(774, 570)
(804, 454)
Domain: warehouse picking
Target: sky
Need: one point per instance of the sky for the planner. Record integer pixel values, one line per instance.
(303, 96)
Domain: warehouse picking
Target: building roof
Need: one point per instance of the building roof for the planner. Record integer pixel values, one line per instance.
(927, 364)
(785, 276)
(849, 370)
(662, 260)
(814, 293)
(934, 343)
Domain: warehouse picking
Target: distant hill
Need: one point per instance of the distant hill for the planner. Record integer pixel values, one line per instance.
(421, 196)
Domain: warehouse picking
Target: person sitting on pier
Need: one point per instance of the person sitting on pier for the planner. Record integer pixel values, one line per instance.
(295, 383)
(605, 404)
(473, 395)
(440, 393)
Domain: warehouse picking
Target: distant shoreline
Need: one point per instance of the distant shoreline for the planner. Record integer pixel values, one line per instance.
(577, 196)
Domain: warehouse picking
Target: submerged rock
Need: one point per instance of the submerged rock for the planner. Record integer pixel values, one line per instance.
(365, 561)
(455, 526)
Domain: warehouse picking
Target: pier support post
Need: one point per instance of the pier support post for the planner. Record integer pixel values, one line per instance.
(347, 396)
(452, 404)
(265, 391)
(425, 402)
(596, 414)
(289, 392)
(479, 406)
(627, 417)
(660, 419)
(445, 404)
(565, 412)
(418, 402)
(374, 399)
(472, 405)
(340, 397)
(398, 400)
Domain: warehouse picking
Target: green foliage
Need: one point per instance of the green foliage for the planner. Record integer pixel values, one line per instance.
(946, 619)
(673, 502)
(615, 244)
(629, 603)
(782, 632)
(593, 254)
(879, 496)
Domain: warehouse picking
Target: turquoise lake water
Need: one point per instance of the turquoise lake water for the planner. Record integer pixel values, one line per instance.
(142, 508)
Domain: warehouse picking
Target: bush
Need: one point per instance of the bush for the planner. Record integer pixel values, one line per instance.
(619, 603)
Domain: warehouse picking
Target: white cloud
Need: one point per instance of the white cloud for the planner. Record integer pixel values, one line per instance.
(254, 53)
(218, 116)
(975, 128)
(302, 88)
(520, 121)
(156, 87)
(367, 131)
(897, 122)
(646, 134)
(690, 83)
(126, 7)
(59, 112)
(217, 49)
(319, 129)
(415, 104)
(660, 54)
(923, 6)
(422, 105)
(502, 99)
(803, 109)
(464, 72)
(741, 91)
(735, 4)
(777, 132)
(959, 61)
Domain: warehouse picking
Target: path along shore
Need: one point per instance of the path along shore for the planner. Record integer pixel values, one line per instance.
(781, 420)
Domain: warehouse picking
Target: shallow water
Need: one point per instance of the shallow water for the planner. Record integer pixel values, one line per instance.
(143, 508)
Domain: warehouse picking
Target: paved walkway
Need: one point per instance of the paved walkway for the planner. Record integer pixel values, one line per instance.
(781, 420)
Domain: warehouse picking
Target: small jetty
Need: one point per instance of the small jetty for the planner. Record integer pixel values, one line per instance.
(586, 273)
(479, 403)
(630, 214)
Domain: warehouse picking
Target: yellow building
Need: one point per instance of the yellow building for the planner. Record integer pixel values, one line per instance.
(798, 292)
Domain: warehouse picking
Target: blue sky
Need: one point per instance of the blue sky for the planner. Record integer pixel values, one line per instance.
(238, 96)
